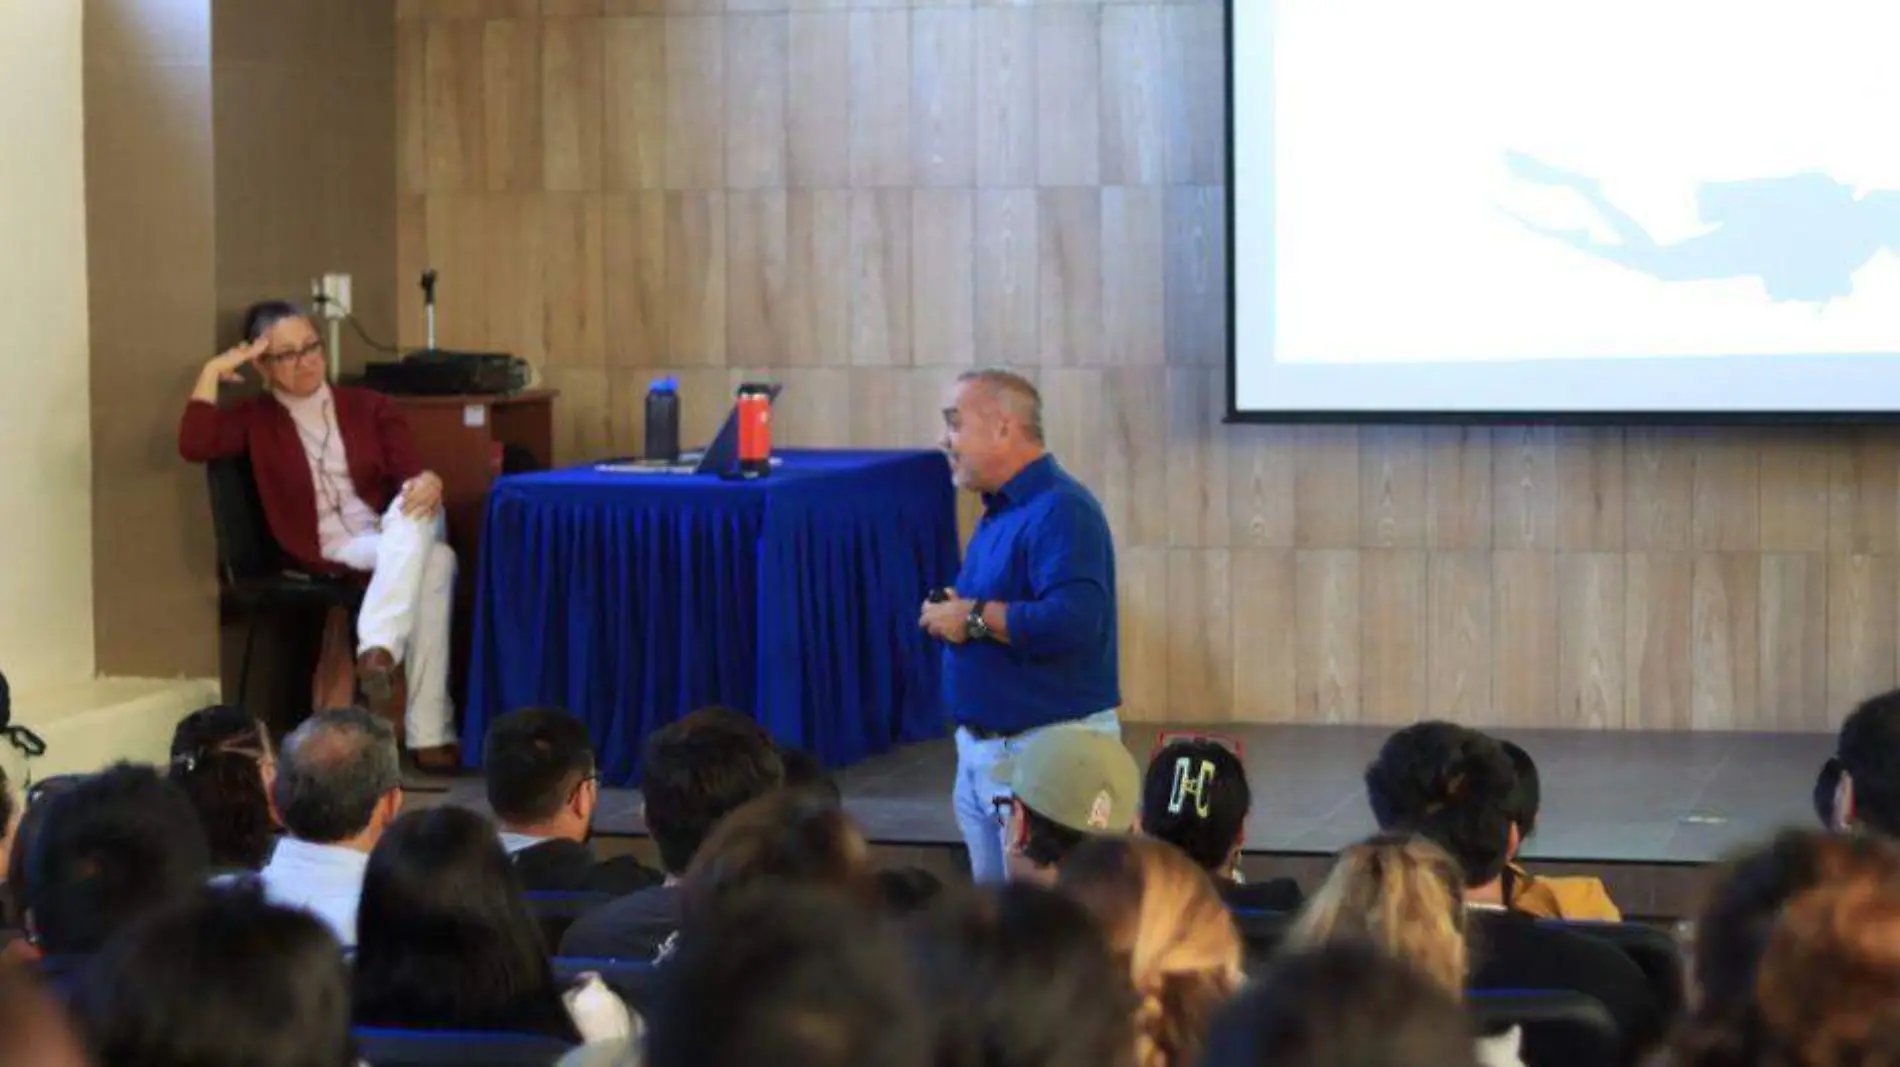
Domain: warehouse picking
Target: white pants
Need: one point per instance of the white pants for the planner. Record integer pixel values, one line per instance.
(406, 611)
(975, 794)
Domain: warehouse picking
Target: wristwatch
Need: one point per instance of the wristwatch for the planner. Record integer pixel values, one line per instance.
(974, 628)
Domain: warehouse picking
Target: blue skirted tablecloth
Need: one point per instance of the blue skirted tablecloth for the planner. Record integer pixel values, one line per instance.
(632, 599)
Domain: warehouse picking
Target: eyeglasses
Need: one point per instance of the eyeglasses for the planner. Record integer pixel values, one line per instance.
(278, 359)
(592, 777)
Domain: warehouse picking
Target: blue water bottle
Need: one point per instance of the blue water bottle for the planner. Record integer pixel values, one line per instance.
(663, 420)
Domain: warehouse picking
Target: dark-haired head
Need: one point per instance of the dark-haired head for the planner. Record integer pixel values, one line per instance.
(1732, 934)
(1828, 988)
(1342, 1005)
(1450, 784)
(113, 848)
(698, 770)
(907, 890)
(222, 979)
(1196, 798)
(221, 757)
(539, 764)
(444, 937)
(1869, 752)
(1021, 976)
(1527, 793)
(786, 837)
(790, 975)
(804, 771)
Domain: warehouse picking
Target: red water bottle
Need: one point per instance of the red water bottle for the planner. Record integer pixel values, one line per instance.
(755, 431)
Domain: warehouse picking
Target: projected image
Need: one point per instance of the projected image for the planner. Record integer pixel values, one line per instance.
(1540, 188)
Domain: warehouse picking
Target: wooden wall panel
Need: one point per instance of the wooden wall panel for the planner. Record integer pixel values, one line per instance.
(862, 197)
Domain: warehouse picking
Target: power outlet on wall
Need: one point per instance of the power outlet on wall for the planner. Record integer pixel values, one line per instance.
(333, 296)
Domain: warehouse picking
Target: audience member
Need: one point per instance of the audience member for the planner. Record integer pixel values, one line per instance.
(1342, 1005)
(34, 1029)
(221, 757)
(907, 890)
(804, 771)
(697, 771)
(221, 979)
(1867, 796)
(1066, 784)
(446, 941)
(1020, 976)
(1171, 934)
(544, 788)
(1575, 898)
(1196, 798)
(1725, 1027)
(1453, 785)
(339, 786)
(1404, 895)
(784, 838)
(792, 976)
(111, 849)
(1829, 983)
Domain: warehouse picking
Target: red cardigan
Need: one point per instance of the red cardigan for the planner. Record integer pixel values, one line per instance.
(376, 443)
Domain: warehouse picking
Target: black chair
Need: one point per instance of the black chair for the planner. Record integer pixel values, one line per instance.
(253, 569)
(632, 979)
(555, 911)
(1653, 950)
(1561, 1028)
(1261, 931)
(387, 1047)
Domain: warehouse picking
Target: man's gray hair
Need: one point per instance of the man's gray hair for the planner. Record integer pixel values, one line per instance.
(331, 773)
(1015, 392)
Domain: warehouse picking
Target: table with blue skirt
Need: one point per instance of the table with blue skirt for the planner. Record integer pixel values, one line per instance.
(632, 599)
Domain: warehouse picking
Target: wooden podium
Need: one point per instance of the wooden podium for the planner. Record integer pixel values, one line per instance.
(463, 439)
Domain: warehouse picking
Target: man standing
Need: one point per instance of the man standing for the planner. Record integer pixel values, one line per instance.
(1028, 631)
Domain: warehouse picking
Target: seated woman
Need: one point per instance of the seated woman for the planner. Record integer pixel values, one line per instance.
(1170, 933)
(444, 940)
(1196, 798)
(224, 980)
(343, 492)
(1574, 897)
(222, 759)
(1405, 896)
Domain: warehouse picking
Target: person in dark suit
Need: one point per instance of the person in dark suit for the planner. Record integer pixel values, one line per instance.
(544, 790)
(698, 770)
(1454, 786)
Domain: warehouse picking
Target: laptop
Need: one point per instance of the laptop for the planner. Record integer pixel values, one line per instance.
(720, 457)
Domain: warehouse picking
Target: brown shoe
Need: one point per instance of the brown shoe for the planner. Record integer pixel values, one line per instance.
(443, 760)
(376, 676)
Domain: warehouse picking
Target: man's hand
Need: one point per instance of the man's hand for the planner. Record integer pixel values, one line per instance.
(421, 495)
(227, 363)
(948, 620)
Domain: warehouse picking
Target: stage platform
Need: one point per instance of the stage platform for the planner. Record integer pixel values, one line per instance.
(1645, 811)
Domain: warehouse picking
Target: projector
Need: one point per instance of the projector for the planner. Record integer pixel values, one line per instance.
(439, 372)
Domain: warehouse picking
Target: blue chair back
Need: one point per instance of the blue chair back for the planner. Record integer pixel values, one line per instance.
(387, 1047)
